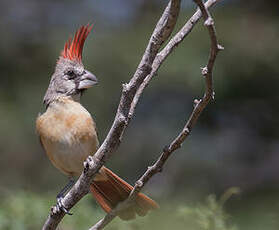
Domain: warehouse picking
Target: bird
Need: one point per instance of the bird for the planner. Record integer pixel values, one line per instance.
(68, 134)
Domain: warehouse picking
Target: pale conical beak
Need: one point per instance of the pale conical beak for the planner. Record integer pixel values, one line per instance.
(87, 80)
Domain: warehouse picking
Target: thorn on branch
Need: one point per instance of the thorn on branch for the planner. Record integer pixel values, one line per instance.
(196, 102)
(204, 71)
(220, 47)
(209, 21)
(125, 88)
(213, 95)
(186, 130)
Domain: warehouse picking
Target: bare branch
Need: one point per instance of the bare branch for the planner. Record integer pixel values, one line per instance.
(173, 43)
(131, 92)
(160, 34)
(198, 108)
(104, 221)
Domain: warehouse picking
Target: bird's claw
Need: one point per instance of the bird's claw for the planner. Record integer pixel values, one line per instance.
(61, 207)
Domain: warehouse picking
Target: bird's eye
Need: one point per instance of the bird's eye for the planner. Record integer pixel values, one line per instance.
(71, 74)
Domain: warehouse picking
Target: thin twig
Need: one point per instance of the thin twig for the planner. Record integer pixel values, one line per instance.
(172, 44)
(198, 108)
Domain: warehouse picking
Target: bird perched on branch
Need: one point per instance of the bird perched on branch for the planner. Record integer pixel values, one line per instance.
(68, 133)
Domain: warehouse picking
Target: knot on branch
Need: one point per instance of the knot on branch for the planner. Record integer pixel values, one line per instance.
(209, 21)
(122, 119)
(54, 210)
(125, 88)
(186, 130)
(196, 102)
(88, 163)
(139, 184)
(204, 71)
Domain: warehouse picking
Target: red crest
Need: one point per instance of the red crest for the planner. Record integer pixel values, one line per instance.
(73, 48)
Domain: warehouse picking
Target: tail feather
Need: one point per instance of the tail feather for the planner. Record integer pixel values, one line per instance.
(112, 190)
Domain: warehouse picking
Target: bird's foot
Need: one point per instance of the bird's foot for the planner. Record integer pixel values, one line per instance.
(60, 207)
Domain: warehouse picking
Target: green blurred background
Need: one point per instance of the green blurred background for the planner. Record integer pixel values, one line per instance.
(235, 143)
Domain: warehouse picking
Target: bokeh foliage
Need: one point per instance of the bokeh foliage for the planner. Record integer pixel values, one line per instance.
(26, 211)
(235, 142)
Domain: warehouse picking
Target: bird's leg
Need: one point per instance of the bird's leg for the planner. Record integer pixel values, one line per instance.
(61, 195)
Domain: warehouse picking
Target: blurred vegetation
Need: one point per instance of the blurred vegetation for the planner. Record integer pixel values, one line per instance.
(24, 210)
(28, 210)
(211, 215)
(235, 142)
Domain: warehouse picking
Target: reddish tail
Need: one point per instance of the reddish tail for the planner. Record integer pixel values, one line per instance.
(111, 190)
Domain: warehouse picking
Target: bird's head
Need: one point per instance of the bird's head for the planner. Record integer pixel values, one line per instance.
(70, 78)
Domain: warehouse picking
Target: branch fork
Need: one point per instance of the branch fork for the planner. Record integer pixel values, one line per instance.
(131, 92)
